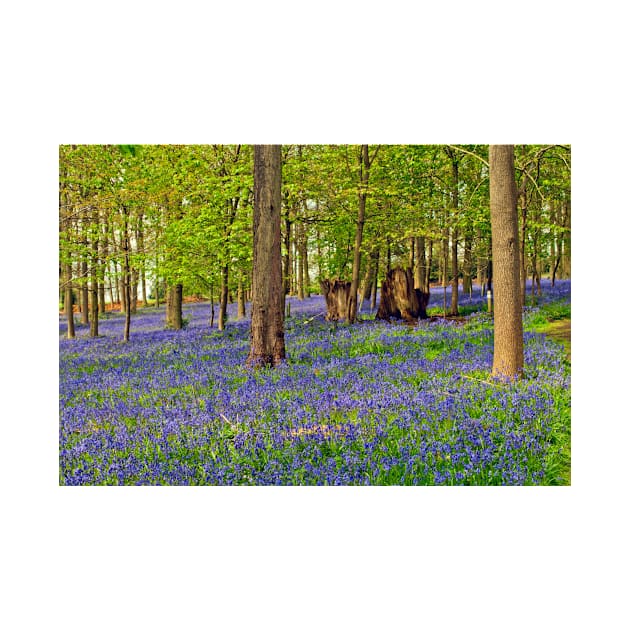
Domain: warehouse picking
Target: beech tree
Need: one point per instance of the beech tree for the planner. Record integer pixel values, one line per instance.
(267, 328)
(508, 322)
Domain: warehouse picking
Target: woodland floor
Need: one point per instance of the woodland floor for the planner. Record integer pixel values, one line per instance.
(560, 330)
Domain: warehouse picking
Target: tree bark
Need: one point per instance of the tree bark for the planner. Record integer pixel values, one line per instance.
(223, 300)
(337, 296)
(85, 317)
(68, 300)
(508, 322)
(454, 310)
(267, 329)
(399, 298)
(126, 274)
(240, 298)
(174, 294)
(364, 178)
(375, 280)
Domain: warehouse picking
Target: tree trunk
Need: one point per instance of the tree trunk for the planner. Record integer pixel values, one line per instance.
(174, 294)
(68, 300)
(240, 298)
(287, 263)
(300, 256)
(126, 274)
(337, 296)
(223, 297)
(399, 299)
(133, 304)
(306, 280)
(94, 297)
(364, 177)
(211, 306)
(455, 234)
(420, 264)
(508, 322)
(375, 281)
(267, 329)
(522, 194)
(467, 265)
(85, 318)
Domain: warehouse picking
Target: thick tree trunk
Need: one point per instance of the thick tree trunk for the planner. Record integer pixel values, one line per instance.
(508, 322)
(267, 329)
(337, 295)
(174, 294)
(399, 298)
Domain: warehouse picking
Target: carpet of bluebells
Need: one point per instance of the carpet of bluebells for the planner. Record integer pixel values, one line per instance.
(374, 403)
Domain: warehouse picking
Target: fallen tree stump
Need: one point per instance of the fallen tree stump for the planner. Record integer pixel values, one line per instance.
(337, 295)
(399, 299)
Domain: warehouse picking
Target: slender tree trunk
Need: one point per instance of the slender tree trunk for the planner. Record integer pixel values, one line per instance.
(300, 262)
(306, 280)
(126, 275)
(225, 271)
(287, 260)
(427, 279)
(133, 305)
(454, 310)
(375, 280)
(65, 229)
(143, 279)
(68, 300)
(508, 323)
(211, 305)
(467, 264)
(85, 318)
(116, 285)
(102, 255)
(267, 329)
(364, 176)
(240, 298)
(94, 284)
(420, 263)
(455, 233)
(523, 256)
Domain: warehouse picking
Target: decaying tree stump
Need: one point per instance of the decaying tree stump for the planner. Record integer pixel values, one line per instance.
(399, 299)
(337, 296)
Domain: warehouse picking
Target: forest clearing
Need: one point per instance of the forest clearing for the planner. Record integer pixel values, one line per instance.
(314, 315)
